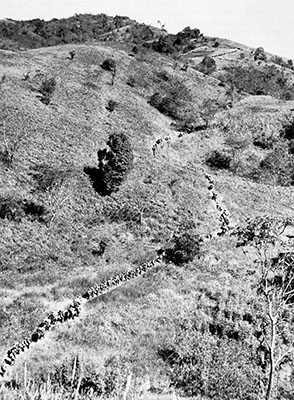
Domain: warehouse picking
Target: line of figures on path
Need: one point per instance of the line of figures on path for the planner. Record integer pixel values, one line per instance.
(223, 217)
(74, 309)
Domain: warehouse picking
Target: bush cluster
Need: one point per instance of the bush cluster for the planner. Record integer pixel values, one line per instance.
(76, 29)
(16, 209)
(184, 41)
(184, 246)
(207, 65)
(268, 80)
(167, 105)
(218, 159)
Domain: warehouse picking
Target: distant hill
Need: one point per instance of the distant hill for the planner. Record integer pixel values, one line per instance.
(85, 28)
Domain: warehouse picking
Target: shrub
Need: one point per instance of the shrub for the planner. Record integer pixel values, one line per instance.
(46, 90)
(165, 104)
(16, 209)
(259, 54)
(207, 65)
(219, 160)
(184, 247)
(169, 43)
(11, 209)
(111, 105)
(114, 164)
(163, 45)
(109, 65)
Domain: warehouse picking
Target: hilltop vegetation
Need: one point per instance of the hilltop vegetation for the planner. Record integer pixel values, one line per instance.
(87, 27)
(101, 168)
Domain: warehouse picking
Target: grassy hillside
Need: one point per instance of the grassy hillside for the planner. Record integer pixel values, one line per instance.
(180, 330)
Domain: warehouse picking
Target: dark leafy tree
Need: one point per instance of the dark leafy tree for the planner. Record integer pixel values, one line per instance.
(114, 164)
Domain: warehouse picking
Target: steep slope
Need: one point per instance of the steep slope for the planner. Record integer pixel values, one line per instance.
(49, 256)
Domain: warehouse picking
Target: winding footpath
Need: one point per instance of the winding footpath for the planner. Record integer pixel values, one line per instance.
(74, 309)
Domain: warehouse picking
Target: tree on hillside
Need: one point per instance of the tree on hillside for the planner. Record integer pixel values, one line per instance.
(275, 289)
(114, 164)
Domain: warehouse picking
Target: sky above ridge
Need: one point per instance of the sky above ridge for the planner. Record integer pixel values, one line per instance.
(266, 23)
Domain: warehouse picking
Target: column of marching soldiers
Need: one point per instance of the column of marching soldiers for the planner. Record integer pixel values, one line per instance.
(74, 309)
(223, 218)
(225, 224)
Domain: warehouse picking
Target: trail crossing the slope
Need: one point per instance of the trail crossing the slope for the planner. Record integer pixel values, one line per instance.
(74, 309)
